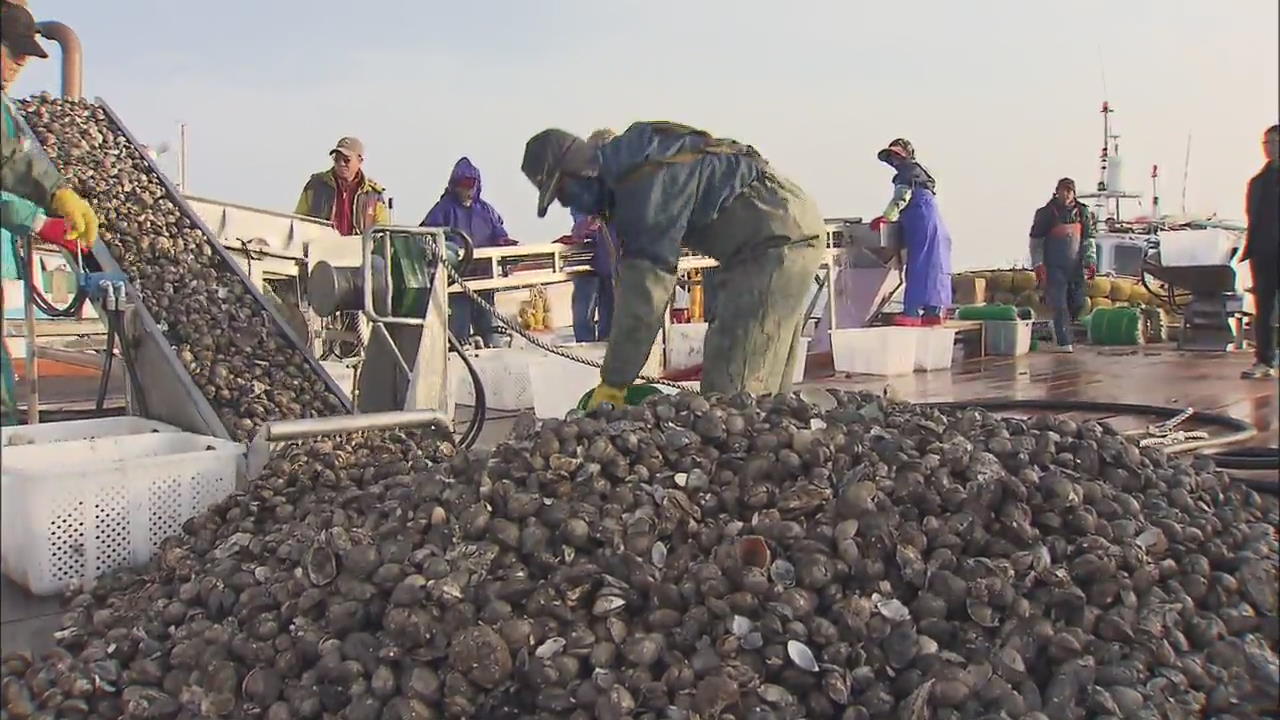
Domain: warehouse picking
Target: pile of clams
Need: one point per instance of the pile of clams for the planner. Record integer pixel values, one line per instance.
(233, 349)
(697, 557)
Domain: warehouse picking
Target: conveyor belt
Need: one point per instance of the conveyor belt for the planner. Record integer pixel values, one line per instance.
(172, 394)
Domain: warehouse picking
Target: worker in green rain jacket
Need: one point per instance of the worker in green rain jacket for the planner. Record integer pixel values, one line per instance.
(32, 188)
(664, 187)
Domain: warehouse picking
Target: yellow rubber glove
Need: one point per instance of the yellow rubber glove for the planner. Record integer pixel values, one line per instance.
(81, 219)
(606, 394)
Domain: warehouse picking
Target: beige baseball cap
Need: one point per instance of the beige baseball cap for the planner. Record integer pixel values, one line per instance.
(349, 146)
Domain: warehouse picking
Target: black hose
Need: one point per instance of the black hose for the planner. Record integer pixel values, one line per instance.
(1250, 458)
(1268, 487)
(26, 271)
(106, 361)
(127, 354)
(1239, 429)
(480, 411)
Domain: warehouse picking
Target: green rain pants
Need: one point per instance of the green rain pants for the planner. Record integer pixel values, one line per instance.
(769, 242)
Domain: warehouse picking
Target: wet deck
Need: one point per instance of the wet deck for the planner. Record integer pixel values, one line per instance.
(1152, 375)
(1159, 375)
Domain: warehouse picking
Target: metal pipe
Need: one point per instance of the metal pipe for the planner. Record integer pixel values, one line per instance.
(285, 430)
(72, 55)
(29, 314)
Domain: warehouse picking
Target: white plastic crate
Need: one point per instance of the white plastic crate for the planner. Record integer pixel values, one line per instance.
(684, 345)
(935, 346)
(1009, 338)
(70, 430)
(504, 372)
(75, 510)
(874, 351)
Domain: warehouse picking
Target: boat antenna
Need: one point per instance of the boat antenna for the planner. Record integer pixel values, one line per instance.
(1186, 170)
(1155, 197)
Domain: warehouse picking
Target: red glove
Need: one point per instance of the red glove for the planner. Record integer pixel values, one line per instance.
(566, 240)
(1091, 271)
(1040, 275)
(54, 230)
(878, 223)
(506, 241)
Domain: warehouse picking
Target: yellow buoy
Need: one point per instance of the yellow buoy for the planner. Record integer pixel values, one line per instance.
(1098, 287)
(1100, 302)
(1024, 280)
(1001, 282)
(1120, 289)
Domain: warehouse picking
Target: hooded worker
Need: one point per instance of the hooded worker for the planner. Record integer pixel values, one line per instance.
(593, 292)
(924, 236)
(461, 207)
(666, 186)
(1064, 255)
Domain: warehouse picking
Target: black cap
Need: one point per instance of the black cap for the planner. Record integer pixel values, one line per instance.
(18, 30)
(547, 155)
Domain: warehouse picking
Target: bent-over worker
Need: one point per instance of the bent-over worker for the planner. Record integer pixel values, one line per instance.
(665, 186)
(1064, 256)
(925, 237)
(343, 194)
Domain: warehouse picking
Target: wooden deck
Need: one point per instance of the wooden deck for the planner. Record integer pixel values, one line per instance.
(1152, 375)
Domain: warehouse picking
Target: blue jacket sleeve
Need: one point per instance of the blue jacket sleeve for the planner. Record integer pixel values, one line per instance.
(437, 216)
(19, 215)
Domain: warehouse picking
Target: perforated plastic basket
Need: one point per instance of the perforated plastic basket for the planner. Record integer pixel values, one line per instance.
(81, 430)
(77, 509)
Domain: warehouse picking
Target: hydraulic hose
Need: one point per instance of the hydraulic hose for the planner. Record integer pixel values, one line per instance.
(107, 361)
(480, 412)
(127, 354)
(1250, 458)
(26, 270)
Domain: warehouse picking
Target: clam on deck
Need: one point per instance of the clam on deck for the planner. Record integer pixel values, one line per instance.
(1152, 375)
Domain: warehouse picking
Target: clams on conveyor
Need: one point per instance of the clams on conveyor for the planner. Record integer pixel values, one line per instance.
(234, 351)
(696, 557)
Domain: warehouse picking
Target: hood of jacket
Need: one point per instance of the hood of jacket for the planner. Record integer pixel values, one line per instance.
(464, 170)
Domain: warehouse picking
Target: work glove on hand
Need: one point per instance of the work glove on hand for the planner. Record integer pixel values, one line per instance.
(79, 216)
(878, 223)
(507, 242)
(566, 240)
(1040, 275)
(1090, 271)
(55, 231)
(606, 394)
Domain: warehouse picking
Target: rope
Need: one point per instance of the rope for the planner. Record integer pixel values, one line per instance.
(537, 342)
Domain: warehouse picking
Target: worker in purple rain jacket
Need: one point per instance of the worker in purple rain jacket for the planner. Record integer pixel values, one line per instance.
(461, 207)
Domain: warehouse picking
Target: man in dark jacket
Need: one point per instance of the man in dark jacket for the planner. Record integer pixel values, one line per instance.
(1262, 250)
(1064, 255)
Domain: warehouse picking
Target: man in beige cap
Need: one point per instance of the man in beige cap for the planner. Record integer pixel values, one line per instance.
(343, 195)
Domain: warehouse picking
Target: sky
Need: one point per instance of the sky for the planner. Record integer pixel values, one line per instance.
(999, 97)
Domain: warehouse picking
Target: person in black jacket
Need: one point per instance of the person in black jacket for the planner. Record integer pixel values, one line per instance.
(1064, 255)
(1262, 250)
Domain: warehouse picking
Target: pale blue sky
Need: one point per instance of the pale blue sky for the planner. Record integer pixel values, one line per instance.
(1000, 97)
